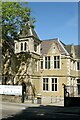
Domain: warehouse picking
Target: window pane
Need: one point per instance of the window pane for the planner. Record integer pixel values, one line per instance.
(43, 86)
(52, 87)
(78, 80)
(25, 45)
(56, 61)
(41, 64)
(54, 57)
(21, 46)
(45, 65)
(55, 80)
(49, 62)
(52, 80)
(46, 86)
(78, 66)
(45, 58)
(54, 84)
(45, 62)
(58, 64)
(46, 80)
(48, 57)
(58, 57)
(55, 87)
(54, 64)
(35, 47)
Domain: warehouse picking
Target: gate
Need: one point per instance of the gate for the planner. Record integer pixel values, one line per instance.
(69, 96)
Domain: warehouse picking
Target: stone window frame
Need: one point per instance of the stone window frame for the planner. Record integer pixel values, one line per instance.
(57, 60)
(47, 62)
(50, 84)
(23, 48)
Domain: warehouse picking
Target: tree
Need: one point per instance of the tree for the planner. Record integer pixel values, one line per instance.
(15, 16)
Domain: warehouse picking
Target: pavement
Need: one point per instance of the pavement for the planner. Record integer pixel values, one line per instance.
(39, 111)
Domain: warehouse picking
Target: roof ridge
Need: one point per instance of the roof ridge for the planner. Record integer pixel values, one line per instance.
(50, 39)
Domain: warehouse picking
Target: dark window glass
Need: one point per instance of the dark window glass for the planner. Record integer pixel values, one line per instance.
(45, 84)
(54, 84)
(78, 65)
(55, 87)
(25, 46)
(56, 61)
(35, 47)
(55, 80)
(41, 64)
(47, 62)
(52, 87)
(21, 46)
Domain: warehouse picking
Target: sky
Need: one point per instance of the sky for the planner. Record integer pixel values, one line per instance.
(56, 20)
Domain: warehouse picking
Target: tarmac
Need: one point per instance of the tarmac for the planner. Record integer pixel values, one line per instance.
(53, 110)
(60, 105)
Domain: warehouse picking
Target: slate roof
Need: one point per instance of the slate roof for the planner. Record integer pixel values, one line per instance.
(46, 45)
(25, 34)
(35, 34)
(64, 49)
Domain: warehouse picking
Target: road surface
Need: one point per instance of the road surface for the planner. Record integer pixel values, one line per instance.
(16, 111)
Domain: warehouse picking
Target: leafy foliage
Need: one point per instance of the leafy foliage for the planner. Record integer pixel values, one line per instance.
(14, 16)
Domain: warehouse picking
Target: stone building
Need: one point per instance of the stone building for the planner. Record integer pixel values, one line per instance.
(51, 65)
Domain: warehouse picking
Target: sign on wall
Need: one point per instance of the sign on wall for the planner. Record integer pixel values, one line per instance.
(11, 90)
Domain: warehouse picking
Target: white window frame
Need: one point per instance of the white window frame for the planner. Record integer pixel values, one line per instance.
(50, 84)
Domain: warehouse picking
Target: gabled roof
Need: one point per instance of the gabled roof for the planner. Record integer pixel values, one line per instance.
(35, 34)
(46, 45)
(31, 32)
(64, 49)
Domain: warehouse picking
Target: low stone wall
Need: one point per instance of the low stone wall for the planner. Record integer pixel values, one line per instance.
(10, 98)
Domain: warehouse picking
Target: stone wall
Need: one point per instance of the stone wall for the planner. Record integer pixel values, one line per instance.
(10, 98)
